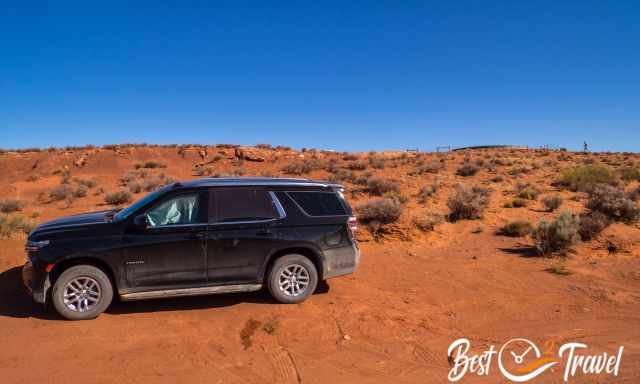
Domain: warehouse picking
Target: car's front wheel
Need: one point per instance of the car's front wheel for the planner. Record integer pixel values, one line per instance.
(292, 279)
(82, 292)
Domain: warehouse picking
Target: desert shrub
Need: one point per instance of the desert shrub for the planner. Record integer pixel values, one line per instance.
(427, 191)
(302, 167)
(362, 179)
(79, 191)
(343, 175)
(516, 171)
(383, 211)
(379, 212)
(357, 165)
(431, 167)
(515, 203)
(551, 203)
(350, 157)
(10, 224)
(263, 146)
(379, 186)
(428, 221)
(611, 202)
(468, 203)
(497, 179)
(150, 165)
(526, 191)
(630, 174)
(591, 224)
(11, 205)
(585, 177)
(151, 184)
(376, 162)
(558, 235)
(117, 197)
(134, 187)
(396, 196)
(558, 269)
(89, 183)
(634, 195)
(33, 178)
(204, 171)
(467, 169)
(516, 229)
(61, 192)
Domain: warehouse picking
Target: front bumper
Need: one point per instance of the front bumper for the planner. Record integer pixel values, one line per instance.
(32, 282)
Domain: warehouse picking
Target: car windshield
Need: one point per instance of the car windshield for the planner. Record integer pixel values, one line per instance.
(138, 204)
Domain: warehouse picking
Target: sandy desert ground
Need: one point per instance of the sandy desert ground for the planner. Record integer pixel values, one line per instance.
(392, 321)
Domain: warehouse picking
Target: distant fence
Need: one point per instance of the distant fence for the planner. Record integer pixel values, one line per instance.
(525, 147)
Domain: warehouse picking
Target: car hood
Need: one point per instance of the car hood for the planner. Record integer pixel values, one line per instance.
(76, 220)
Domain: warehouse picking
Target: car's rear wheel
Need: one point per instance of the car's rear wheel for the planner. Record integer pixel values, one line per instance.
(292, 279)
(82, 292)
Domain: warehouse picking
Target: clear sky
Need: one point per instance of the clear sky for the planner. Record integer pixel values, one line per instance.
(344, 75)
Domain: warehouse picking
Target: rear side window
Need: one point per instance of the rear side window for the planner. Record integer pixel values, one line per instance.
(319, 203)
(241, 204)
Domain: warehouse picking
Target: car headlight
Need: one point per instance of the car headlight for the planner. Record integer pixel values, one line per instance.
(34, 246)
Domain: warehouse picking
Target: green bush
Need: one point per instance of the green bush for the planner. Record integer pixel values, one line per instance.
(585, 177)
(516, 229)
(551, 203)
(557, 235)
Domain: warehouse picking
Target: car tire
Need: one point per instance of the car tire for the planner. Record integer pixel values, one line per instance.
(292, 279)
(82, 292)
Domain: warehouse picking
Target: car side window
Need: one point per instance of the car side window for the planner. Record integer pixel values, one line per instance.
(182, 209)
(241, 204)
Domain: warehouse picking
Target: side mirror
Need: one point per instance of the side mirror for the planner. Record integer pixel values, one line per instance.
(140, 221)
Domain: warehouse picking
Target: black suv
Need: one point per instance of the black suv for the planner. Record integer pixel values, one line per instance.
(193, 238)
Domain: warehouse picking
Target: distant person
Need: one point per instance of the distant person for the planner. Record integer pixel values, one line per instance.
(586, 147)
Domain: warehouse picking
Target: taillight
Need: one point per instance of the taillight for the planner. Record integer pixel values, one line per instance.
(352, 223)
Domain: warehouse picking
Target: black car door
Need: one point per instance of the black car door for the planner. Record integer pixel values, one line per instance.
(241, 233)
(171, 249)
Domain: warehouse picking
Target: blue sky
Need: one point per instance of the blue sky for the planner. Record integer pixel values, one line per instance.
(335, 75)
